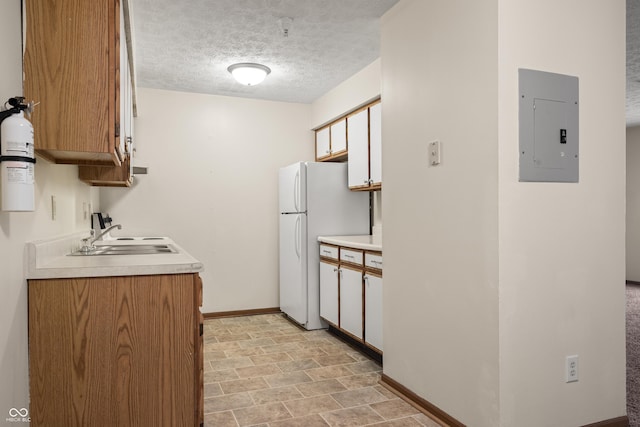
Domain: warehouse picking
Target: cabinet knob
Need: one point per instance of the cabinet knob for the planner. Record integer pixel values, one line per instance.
(366, 181)
(335, 270)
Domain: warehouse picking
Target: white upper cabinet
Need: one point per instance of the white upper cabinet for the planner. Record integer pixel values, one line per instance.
(358, 136)
(365, 148)
(339, 137)
(323, 144)
(375, 144)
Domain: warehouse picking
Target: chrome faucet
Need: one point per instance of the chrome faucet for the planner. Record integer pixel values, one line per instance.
(88, 242)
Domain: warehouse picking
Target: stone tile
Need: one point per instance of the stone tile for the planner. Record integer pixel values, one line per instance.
(386, 392)
(221, 345)
(213, 355)
(337, 359)
(279, 394)
(400, 422)
(256, 343)
(358, 381)
(359, 416)
(269, 333)
(294, 337)
(329, 372)
(244, 352)
(358, 356)
(261, 414)
(233, 337)
(317, 388)
(206, 366)
(235, 362)
(222, 375)
(236, 386)
(315, 343)
(212, 389)
(227, 402)
(264, 359)
(298, 365)
(364, 367)
(312, 405)
(282, 347)
(288, 378)
(357, 397)
(426, 421)
(258, 371)
(220, 419)
(314, 420)
(392, 409)
(308, 353)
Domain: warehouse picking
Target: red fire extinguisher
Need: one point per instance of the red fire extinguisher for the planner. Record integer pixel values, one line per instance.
(17, 159)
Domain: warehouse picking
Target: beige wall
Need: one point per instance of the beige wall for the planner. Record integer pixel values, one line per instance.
(490, 283)
(361, 88)
(212, 186)
(20, 227)
(439, 82)
(561, 246)
(633, 204)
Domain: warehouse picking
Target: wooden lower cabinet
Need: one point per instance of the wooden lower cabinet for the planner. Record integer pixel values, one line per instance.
(116, 351)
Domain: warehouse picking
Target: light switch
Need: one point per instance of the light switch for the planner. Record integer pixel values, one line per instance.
(434, 153)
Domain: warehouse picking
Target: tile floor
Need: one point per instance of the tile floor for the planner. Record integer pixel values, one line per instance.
(264, 371)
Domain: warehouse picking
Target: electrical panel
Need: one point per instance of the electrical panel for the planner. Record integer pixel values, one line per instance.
(548, 118)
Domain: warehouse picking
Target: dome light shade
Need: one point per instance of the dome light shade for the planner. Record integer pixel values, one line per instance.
(248, 73)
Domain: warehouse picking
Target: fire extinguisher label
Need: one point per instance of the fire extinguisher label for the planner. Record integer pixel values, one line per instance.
(17, 148)
(19, 173)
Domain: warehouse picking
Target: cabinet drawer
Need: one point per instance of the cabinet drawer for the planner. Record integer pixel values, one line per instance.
(329, 251)
(373, 260)
(350, 255)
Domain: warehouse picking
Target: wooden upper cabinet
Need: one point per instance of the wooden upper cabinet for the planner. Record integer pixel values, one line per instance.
(71, 69)
(365, 148)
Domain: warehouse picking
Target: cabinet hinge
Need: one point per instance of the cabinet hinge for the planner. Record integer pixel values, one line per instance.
(201, 329)
(117, 129)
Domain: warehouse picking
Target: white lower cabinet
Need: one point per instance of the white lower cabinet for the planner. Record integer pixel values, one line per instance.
(373, 309)
(351, 292)
(329, 292)
(351, 301)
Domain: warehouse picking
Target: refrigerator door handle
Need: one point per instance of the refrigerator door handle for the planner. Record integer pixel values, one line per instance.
(297, 236)
(296, 191)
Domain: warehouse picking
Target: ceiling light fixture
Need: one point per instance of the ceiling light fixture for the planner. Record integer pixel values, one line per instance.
(249, 74)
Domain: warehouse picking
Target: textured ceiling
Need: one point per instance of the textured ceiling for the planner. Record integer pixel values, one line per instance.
(633, 62)
(188, 45)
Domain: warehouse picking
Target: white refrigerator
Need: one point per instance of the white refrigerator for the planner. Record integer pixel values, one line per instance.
(314, 200)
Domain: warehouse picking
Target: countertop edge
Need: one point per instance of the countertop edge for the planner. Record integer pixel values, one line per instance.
(365, 242)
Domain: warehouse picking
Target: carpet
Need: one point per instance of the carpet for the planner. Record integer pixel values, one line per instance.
(633, 354)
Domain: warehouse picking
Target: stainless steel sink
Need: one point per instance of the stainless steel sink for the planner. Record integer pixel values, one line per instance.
(127, 250)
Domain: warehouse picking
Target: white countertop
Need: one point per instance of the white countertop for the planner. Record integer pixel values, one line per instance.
(367, 242)
(49, 259)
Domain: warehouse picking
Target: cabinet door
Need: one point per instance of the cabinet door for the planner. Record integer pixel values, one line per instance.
(351, 301)
(323, 148)
(375, 143)
(339, 137)
(71, 63)
(329, 292)
(358, 137)
(373, 310)
(132, 341)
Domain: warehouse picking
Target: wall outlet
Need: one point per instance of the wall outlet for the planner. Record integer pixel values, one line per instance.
(572, 368)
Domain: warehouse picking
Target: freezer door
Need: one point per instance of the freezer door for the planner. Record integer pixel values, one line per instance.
(292, 188)
(293, 266)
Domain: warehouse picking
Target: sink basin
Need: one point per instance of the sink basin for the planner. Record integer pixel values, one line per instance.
(128, 250)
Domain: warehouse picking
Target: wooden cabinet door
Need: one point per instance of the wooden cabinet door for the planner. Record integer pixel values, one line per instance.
(71, 64)
(373, 310)
(113, 351)
(329, 292)
(339, 137)
(375, 143)
(358, 137)
(351, 301)
(323, 146)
